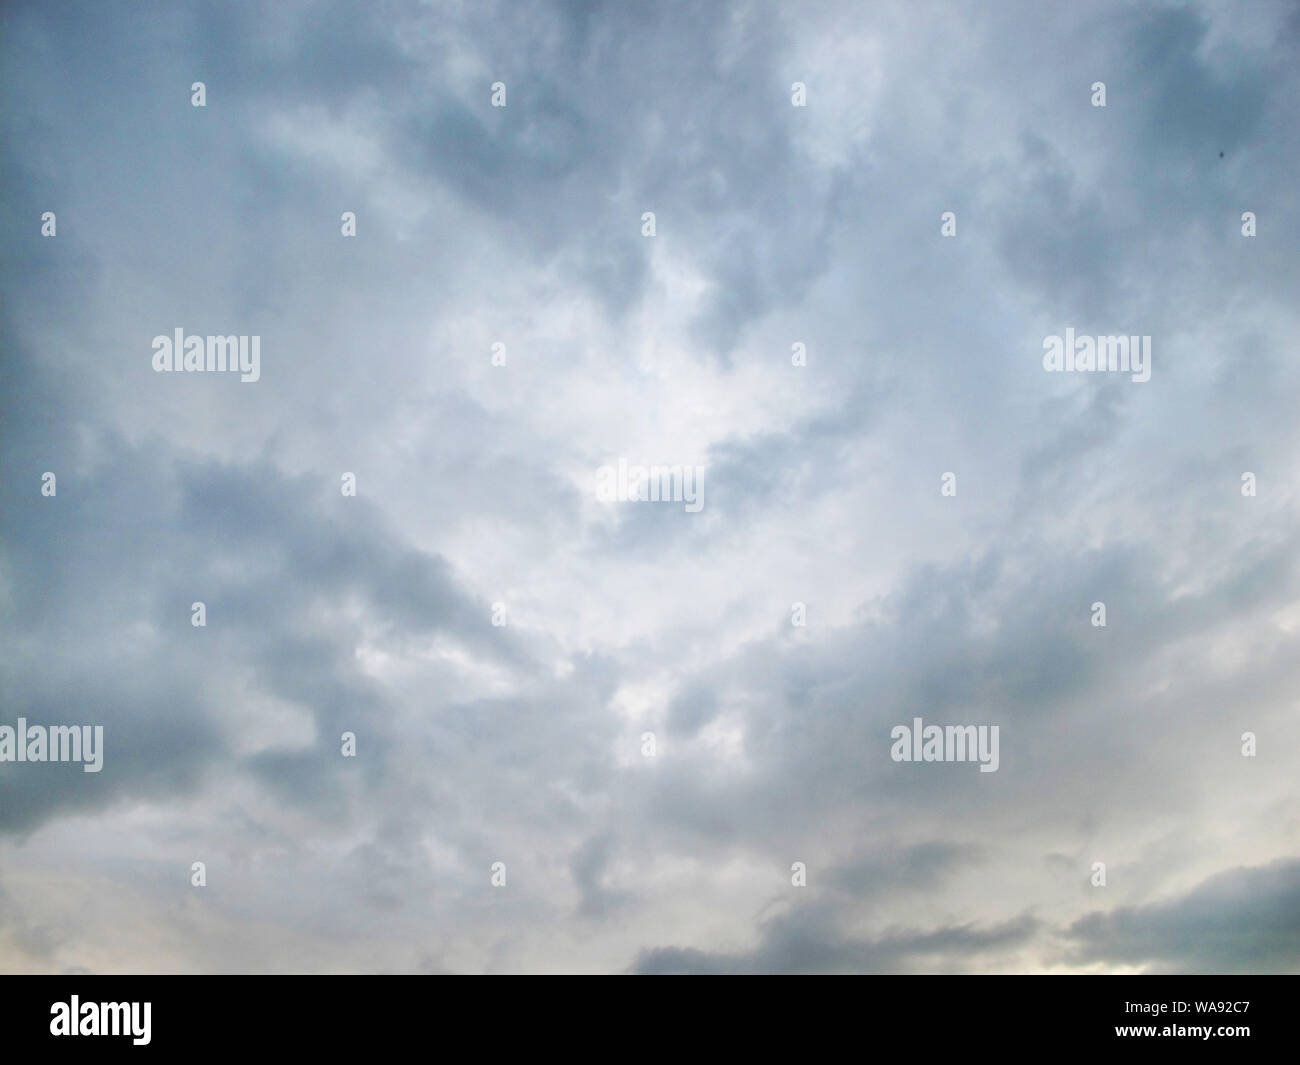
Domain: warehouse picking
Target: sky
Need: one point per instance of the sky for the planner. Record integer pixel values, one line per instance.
(627, 736)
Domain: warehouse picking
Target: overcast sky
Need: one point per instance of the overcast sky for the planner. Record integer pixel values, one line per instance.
(522, 743)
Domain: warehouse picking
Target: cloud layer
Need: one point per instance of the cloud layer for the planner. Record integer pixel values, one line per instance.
(525, 743)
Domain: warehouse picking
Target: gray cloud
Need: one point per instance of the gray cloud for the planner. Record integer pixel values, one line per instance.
(807, 941)
(1238, 921)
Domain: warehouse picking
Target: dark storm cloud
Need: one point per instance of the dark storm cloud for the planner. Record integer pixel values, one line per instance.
(901, 867)
(809, 940)
(1244, 920)
(124, 552)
